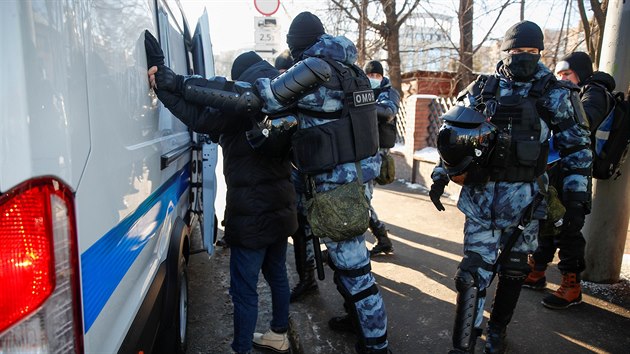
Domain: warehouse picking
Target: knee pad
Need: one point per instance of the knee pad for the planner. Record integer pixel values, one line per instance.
(464, 280)
(515, 266)
(464, 331)
(472, 262)
(351, 300)
(352, 273)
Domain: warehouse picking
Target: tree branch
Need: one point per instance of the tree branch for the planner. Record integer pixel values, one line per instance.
(501, 9)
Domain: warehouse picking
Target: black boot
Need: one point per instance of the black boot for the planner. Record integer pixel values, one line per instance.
(305, 286)
(505, 299)
(495, 339)
(306, 270)
(342, 324)
(383, 243)
(361, 350)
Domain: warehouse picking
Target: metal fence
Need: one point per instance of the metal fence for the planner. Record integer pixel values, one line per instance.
(437, 108)
(401, 125)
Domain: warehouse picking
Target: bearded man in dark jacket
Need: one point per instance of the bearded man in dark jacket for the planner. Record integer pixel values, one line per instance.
(260, 204)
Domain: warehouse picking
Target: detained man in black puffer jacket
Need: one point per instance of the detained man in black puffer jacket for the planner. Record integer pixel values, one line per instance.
(260, 209)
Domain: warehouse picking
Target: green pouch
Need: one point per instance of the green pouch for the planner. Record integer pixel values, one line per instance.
(341, 213)
(555, 213)
(388, 170)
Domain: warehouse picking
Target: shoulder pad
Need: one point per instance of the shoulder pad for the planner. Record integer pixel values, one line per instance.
(566, 84)
(474, 88)
(540, 86)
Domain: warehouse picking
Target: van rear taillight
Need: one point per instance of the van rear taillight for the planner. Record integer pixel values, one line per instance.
(39, 301)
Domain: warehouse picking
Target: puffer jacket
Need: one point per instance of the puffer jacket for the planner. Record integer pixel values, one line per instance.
(260, 202)
(327, 98)
(594, 98)
(387, 96)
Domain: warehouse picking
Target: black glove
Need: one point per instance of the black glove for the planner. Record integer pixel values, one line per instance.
(437, 189)
(573, 219)
(166, 79)
(155, 56)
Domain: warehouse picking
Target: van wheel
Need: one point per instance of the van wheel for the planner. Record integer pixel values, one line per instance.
(174, 338)
(181, 315)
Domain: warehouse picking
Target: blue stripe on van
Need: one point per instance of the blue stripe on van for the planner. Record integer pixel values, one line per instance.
(107, 261)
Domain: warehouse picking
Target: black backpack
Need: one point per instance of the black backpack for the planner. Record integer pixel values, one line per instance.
(611, 138)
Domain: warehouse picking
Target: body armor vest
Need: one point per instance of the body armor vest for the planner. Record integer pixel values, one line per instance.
(518, 156)
(352, 133)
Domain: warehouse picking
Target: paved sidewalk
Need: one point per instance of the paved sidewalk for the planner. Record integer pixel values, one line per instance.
(419, 293)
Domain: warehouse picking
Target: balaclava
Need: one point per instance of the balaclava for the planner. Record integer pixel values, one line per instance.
(304, 31)
(525, 34)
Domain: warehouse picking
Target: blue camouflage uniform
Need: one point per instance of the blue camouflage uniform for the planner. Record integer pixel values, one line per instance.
(389, 99)
(493, 209)
(351, 254)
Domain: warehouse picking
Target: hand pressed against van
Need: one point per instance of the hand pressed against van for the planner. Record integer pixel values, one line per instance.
(151, 73)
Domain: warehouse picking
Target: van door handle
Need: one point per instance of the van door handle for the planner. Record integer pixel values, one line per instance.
(173, 155)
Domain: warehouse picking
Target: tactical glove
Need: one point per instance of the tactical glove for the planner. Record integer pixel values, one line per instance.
(166, 79)
(437, 189)
(573, 220)
(155, 56)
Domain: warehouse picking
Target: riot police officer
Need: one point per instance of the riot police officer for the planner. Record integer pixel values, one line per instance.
(497, 149)
(320, 107)
(348, 156)
(387, 103)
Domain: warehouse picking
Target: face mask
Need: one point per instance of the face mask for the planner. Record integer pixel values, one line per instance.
(522, 66)
(375, 83)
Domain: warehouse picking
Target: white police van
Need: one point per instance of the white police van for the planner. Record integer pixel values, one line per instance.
(99, 184)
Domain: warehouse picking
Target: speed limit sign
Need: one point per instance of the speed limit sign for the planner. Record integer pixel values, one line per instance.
(267, 7)
(267, 35)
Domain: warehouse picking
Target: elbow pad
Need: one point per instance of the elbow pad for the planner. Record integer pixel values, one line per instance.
(238, 99)
(384, 114)
(309, 73)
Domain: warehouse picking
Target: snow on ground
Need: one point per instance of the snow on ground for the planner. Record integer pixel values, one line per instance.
(617, 292)
(427, 154)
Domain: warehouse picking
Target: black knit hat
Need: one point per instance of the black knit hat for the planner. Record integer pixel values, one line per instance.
(284, 60)
(524, 34)
(579, 62)
(244, 62)
(304, 32)
(373, 67)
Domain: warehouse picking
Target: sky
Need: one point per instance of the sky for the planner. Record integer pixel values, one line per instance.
(232, 22)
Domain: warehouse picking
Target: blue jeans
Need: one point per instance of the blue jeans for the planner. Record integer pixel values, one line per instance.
(245, 265)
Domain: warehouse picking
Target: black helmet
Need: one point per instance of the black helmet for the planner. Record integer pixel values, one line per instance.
(465, 142)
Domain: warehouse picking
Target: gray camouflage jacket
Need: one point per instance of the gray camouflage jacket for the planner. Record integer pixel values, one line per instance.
(499, 204)
(324, 99)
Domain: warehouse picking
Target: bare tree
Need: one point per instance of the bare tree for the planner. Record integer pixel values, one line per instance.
(388, 30)
(464, 69)
(466, 49)
(594, 30)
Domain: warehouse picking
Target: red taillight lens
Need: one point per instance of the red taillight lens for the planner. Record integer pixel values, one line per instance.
(39, 269)
(27, 265)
